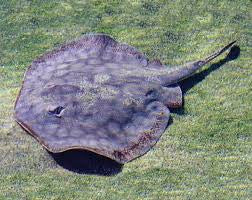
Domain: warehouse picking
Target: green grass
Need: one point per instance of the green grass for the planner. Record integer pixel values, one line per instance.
(204, 154)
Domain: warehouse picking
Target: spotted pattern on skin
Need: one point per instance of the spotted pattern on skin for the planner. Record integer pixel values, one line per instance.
(101, 78)
(103, 87)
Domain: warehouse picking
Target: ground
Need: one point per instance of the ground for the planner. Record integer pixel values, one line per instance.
(205, 152)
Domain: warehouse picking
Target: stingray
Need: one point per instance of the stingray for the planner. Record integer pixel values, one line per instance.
(102, 96)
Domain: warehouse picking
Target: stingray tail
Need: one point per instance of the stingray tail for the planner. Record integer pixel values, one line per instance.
(217, 53)
(190, 68)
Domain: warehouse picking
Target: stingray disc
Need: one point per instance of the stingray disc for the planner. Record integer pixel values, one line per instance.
(95, 94)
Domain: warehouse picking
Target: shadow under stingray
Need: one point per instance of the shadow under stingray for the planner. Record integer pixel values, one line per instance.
(86, 162)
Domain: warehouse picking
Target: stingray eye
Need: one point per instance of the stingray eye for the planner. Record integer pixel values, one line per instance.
(151, 94)
(139, 57)
(57, 111)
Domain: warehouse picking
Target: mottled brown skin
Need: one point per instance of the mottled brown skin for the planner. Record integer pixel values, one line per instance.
(99, 95)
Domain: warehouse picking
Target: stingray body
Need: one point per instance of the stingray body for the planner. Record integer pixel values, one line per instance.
(100, 95)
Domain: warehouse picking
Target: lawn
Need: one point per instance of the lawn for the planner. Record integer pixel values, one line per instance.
(205, 152)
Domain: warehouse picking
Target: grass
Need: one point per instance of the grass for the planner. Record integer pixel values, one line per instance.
(204, 154)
